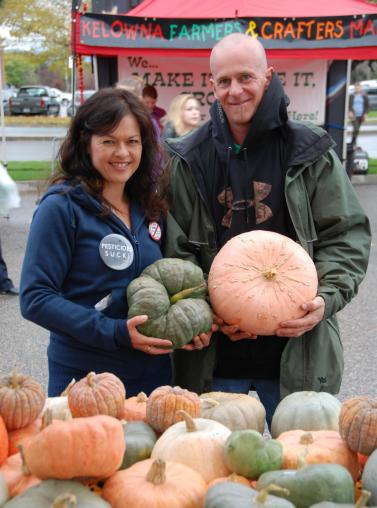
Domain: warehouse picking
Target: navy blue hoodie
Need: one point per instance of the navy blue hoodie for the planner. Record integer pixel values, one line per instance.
(64, 277)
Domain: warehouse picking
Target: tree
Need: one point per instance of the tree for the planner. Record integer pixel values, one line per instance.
(19, 69)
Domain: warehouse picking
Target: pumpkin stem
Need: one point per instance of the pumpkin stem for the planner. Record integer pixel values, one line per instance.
(189, 293)
(301, 459)
(25, 470)
(262, 496)
(64, 501)
(363, 499)
(90, 379)
(46, 418)
(156, 473)
(141, 397)
(190, 424)
(306, 438)
(14, 379)
(68, 387)
(209, 403)
(270, 273)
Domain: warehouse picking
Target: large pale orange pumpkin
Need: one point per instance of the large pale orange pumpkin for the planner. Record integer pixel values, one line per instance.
(155, 484)
(259, 279)
(97, 394)
(358, 424)
(93, 446)
(164, 404)
(317, 447)
(21, 400)
(4, 441)
(16, 475)
(22, 436)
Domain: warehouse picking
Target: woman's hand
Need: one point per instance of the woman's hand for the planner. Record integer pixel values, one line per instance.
(200, 341)
(149, 345)
(232, 331)
(297, 327)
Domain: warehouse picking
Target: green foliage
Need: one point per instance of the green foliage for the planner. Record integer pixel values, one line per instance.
(19, 69)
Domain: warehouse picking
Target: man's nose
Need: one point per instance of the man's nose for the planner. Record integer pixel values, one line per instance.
(235, 87)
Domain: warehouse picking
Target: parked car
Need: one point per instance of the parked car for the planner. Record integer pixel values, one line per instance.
(34, 100)
(64, 98)
(77, 100)
(7, 93)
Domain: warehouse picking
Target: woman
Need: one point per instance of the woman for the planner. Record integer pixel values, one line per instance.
(182, 117)
(98, 226)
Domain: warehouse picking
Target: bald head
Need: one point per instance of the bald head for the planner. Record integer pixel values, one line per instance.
(239, 43)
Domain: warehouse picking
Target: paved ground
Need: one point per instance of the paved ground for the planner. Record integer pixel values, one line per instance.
(23, 344)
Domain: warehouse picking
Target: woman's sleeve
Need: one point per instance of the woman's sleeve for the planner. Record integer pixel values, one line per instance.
(47, 262)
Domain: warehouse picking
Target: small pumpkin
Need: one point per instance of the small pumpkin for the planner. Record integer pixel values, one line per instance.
(316, 447)
(247, 453)
(155, 484)
(97, 394)
(171, 292)
(306, 410)
(4, 441)
(140, 439)
(197, 443)
(57, 494)
(259, 279)
(82, 447)
(233, 495)
(311, 484)
(234, 410)
(135, 408)
(233, 477)
(358, 424)
(21, 400)
(165, 402)
(58, 406)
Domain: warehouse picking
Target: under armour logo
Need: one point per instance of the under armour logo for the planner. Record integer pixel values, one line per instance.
(262, 211)
(322, 380)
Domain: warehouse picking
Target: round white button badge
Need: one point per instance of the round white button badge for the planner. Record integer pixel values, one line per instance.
(154, 231)
(116, 252)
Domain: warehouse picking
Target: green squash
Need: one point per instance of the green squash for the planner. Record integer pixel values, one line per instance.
(57, 494)
(361, 503)
(247, 453)
(4, 491)
(140, 439)
(235, 495)
(312, 484)
(369, 477)
(171, 292)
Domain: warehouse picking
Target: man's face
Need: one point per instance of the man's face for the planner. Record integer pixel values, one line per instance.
(239, 82)
(150, 102)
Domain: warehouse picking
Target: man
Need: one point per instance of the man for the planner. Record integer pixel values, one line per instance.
(248, 168)
(358, 110)
(149, 97)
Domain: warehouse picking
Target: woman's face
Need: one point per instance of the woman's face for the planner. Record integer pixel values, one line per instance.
(191, 113)
(117, 155)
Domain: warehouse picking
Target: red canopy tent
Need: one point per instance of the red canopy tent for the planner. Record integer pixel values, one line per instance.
(336, 29)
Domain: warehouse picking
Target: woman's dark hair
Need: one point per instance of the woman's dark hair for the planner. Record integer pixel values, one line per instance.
(100, 115)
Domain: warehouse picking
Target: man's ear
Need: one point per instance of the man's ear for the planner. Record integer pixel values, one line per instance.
(213, 86)
(269, 73)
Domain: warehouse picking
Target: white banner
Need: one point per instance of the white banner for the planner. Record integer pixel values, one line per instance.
(304, 82)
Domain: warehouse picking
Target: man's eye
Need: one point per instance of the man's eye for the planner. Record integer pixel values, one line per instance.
(246, 77)
(223, 83)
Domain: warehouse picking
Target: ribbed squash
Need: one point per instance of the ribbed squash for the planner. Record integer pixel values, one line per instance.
(358, 424)
(171, 292)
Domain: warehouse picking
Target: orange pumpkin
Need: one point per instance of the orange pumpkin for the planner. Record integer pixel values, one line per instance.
(164, 403)
(22, 436)
(358, 424)
(4, 441)
(21, 400)
(97, 394)
(82, 447)
(135, 408)
(16, 475)
(317, 447)
(259, 279)
(155, 484)
(234, 477)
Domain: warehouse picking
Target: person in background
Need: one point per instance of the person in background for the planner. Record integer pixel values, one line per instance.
(358, 110)
(6, 285)
(149, 97)
(248, 168)
(182, 117)
(133, 83)
(90, 237)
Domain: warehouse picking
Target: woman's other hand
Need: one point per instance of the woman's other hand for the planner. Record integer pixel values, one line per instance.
(149, 345)
(232, 331)
(200, 341)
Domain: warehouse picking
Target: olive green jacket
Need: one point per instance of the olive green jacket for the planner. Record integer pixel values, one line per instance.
(331, 226)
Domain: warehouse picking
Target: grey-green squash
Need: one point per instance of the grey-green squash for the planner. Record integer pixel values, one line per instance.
(57, 494)
(235, 495)
(361, 502)
(311, 484)
(369, 477)
(140, 439)
(247, 453)
(171, 292)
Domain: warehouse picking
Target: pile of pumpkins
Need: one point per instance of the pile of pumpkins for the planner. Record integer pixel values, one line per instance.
(93, 447)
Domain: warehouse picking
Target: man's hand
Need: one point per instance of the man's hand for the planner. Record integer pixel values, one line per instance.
(296, 327)
(202, 340)
(232, 331)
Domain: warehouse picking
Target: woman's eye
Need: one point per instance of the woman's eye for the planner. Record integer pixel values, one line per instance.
(107, 141)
